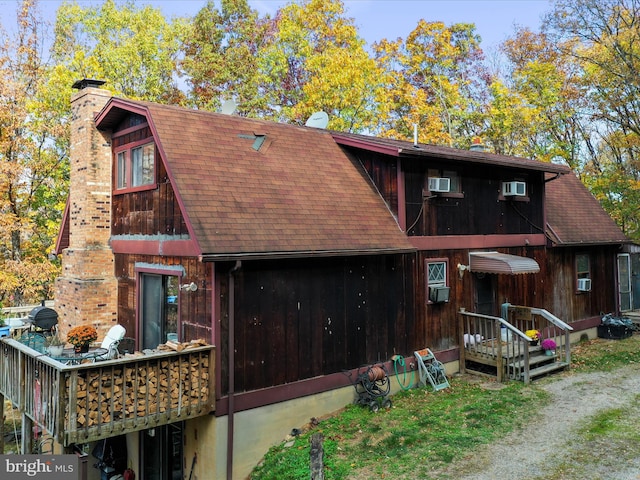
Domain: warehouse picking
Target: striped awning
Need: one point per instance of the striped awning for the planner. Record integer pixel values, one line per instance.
(495, 262)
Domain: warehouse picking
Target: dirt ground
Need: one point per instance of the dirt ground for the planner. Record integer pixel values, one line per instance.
(552, 448)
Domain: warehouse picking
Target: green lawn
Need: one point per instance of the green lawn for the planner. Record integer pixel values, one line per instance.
(425, 431)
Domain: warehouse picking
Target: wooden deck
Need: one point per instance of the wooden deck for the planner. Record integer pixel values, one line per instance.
(483, 361)
(91, 401)
(499, 348)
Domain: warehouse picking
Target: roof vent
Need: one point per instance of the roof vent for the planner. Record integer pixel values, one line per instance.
(87, 82)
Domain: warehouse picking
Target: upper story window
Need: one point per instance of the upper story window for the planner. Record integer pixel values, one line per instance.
(443, 181)
(135, 166)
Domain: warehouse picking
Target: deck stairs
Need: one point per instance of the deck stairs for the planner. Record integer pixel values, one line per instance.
(500, 347)
(540, 365)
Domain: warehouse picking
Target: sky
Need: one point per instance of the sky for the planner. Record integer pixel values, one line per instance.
(375, 19)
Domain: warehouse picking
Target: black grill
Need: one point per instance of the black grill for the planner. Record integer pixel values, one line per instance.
(43, 317)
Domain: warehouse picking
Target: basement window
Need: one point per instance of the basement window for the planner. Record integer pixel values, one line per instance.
(135, 166)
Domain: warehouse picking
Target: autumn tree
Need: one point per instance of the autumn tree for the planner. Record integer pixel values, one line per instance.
(315, 60)
(221, 54)
(135, 50)
(547, 97)
(602, 37)
(435, 80)
(33, 171)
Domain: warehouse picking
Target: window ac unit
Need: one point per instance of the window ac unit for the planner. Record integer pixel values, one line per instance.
(439, 294)
(514, 189)
(584, 284)
(439, 184)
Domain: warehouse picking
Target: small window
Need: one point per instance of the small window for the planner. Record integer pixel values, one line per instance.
(437, 274)
(135, 166)
(437, 289)
(451, 175)
(583, 272)
(122, 170)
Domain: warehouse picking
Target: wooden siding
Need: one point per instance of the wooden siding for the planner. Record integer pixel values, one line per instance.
(307, 318)
(195, 307)
(478, 209)
(463, 213)
(383, 171)
(561, 296)
(147, 212)
(300, 319)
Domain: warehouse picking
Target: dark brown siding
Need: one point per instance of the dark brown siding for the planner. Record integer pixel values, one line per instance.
(562, 295)
(383, 171)
(477, 209)
(147, 212)
(195, 307)
(301, 319)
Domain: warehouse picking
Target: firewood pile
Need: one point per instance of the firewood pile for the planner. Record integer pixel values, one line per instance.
(156, 385)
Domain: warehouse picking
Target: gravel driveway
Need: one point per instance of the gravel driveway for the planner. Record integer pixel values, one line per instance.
(560, 453)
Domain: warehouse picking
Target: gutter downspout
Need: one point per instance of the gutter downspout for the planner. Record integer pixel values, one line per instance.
(231, 363)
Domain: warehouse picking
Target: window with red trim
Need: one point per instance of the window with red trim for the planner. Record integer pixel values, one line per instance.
(135, 166)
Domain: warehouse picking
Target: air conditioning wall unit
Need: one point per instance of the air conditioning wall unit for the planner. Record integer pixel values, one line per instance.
(439, 294)
(438, 184)
(514, 189)
(584, 284)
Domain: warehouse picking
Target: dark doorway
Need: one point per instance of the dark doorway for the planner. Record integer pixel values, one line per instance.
(485, 294)
(162, 453)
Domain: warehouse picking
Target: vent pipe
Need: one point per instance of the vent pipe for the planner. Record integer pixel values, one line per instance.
(415, 134)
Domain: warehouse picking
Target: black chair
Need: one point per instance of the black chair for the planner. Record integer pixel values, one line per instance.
(127, 345)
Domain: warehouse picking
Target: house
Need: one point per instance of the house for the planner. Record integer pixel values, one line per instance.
(302, 255)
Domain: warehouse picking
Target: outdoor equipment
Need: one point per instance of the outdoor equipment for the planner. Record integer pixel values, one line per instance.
(431, 370)
(372, 387)
(43, 318)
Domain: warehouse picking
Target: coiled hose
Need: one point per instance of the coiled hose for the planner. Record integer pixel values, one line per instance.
(399, 360)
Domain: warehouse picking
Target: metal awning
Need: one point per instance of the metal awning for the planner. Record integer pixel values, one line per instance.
(495, 262)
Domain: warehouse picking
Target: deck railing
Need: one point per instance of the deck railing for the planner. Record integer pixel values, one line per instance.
(91, 401)
(501, 345)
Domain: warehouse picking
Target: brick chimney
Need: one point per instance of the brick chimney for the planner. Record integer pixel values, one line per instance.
(86, 292)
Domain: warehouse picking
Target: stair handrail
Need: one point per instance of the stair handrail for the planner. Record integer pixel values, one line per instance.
(516, 334)
(502, 321)
(552, 318)
(560, 324)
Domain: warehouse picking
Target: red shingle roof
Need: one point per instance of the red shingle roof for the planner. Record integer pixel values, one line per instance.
(403, 148)
(575, 217)
(256, 188)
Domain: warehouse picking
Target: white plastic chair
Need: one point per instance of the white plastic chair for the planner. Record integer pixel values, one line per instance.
(110, 342)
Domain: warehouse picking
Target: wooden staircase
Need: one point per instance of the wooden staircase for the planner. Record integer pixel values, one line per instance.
(498, 346)
(540, 365)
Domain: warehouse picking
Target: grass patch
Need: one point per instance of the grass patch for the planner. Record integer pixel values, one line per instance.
(420, 434)
(605, 355)
(425, 432)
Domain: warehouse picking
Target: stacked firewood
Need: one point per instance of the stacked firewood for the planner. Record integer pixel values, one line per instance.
(158, 386)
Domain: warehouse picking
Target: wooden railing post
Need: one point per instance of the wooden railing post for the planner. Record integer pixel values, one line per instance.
(499, 359)
(27, 435)
(461, 354)
(567, 348)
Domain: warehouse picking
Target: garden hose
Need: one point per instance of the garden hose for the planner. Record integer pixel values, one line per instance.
(399, 359)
